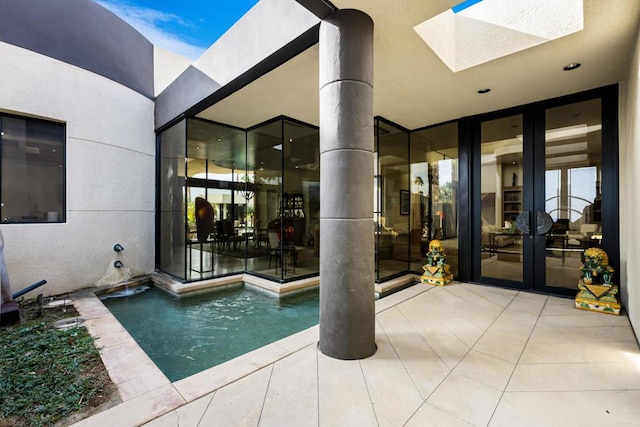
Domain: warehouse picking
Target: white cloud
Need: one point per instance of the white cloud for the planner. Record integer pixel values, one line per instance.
(150, 22)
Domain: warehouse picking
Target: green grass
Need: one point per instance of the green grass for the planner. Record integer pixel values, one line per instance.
(47, 374)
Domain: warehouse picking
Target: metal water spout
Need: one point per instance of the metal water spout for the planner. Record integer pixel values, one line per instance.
(118, 247)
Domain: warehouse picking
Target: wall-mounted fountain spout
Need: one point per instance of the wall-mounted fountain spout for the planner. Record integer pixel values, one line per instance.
(118, 264)
(118, 247)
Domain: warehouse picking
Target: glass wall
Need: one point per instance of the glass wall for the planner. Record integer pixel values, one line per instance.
(261, 189)
(393, 204)
(434, 193)
(284, 167)
(216, 173)
(265, 147)
(223, 211)
(172, 185)
(301, 208)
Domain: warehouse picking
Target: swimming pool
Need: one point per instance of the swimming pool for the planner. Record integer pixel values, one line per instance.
(188, 334)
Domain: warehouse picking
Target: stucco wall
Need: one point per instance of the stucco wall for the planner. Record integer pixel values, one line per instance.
(630, 189)
(167, 66)
(81, 33)
(109, 168)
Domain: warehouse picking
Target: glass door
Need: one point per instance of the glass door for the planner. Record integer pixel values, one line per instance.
(544, 191)
(572, 189)
(501, 190)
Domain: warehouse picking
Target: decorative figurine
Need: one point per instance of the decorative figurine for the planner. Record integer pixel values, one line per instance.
(596, 267)
(596, 290)
(436, 271)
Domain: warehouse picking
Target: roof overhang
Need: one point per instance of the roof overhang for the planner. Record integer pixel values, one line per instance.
(414, 88)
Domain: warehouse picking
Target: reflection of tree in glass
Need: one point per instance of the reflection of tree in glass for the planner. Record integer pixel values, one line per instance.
(419, 182)
(434, 180)
(445, 193)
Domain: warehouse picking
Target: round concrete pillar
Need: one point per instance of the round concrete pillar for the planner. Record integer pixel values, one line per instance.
(347, 316)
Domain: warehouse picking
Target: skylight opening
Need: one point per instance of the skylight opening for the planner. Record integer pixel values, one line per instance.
(478, 31)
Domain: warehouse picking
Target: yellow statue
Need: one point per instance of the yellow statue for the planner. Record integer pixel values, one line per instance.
(436, 271)
(596, 292)
(596, 267)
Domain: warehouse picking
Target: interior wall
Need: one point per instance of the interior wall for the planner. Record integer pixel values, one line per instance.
(110, 171)
(630, 190)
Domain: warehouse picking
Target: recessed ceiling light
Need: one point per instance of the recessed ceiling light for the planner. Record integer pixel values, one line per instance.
(219, 139)
(485, 90)
(572, 66)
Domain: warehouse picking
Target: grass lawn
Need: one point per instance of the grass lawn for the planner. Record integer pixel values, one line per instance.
(50, 376)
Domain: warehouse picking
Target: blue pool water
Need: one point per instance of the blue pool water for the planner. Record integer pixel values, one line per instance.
(188, 334)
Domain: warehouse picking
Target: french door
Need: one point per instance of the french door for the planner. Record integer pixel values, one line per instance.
(544, 190)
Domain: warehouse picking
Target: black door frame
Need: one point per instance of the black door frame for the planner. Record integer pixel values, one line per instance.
(533, 195)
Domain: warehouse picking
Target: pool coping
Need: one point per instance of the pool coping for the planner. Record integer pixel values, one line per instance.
(274, 288)
(147, 393)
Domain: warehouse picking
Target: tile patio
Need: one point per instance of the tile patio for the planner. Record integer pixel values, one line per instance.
(460, 355)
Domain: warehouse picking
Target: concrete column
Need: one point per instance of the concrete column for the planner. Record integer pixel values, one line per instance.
(347, 316)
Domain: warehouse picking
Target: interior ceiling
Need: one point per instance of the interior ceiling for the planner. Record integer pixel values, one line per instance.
(414, 88)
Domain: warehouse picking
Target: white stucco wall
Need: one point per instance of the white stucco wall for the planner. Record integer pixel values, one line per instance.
(110, 171)
(167, 66)
(630, 189)
(268, 26)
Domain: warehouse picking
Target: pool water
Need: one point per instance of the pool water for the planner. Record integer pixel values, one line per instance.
(188, 334)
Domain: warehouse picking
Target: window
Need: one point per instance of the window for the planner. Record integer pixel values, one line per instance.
(32, 173)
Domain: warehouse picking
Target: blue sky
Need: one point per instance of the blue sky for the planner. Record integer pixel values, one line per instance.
(184, 27)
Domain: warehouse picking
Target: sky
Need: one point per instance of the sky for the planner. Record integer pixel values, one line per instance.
(187, 28)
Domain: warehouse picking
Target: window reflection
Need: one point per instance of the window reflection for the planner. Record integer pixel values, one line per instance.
(573, 145)
(32, 170)
(434, 192)
(501, 198)
(172, 189)
(393, 208)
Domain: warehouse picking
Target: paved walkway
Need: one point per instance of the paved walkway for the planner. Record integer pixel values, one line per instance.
(458, 355)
